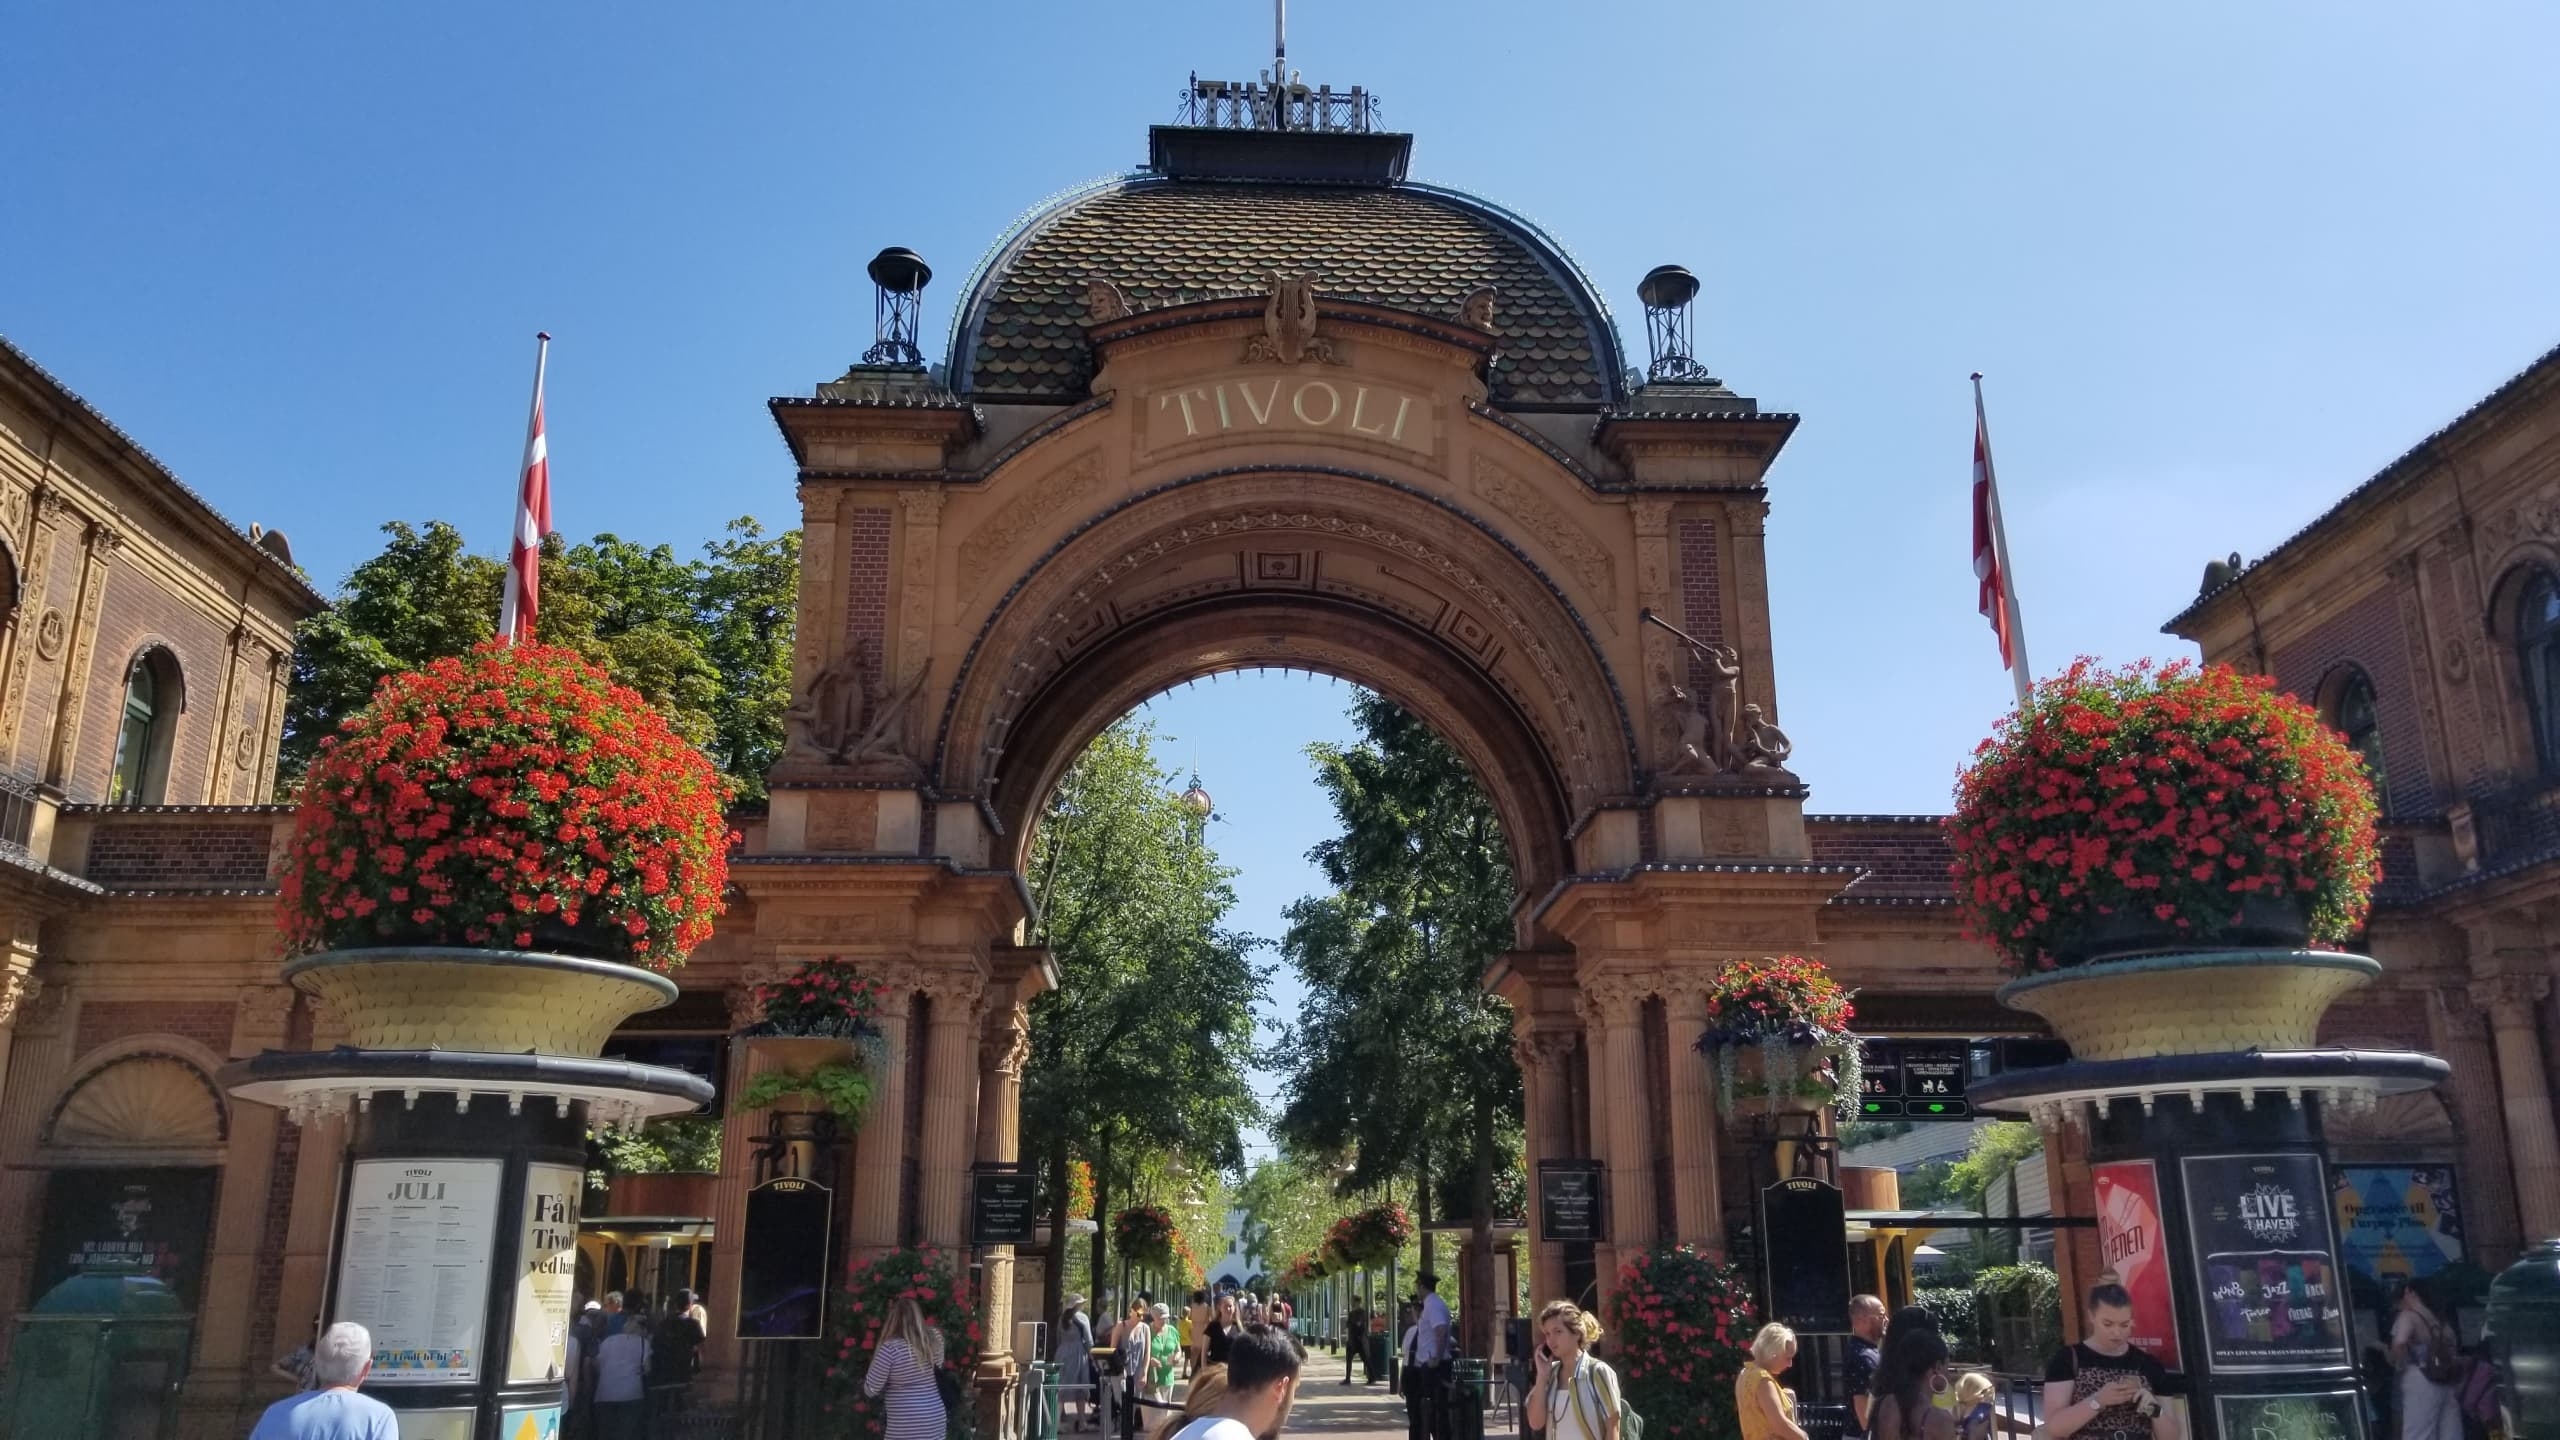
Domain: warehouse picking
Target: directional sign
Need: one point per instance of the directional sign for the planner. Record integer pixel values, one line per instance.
(1914, 1080)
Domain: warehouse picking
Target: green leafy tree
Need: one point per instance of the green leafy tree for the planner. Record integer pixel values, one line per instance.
(707, 641)
(1139, 1054)
(1400, 1060)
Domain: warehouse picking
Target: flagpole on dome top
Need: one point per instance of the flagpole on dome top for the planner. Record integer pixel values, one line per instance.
(2001, 581)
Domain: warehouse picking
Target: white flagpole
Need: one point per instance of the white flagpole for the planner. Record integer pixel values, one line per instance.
(2019, 670)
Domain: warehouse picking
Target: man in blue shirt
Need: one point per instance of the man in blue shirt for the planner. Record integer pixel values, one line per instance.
(335, 1410)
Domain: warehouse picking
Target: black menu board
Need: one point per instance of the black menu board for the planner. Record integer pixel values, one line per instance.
(1569, 1200)
(1001, 1205)
(1807, 1255)
(2265, 1262)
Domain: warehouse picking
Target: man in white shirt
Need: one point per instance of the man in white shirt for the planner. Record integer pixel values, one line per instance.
(1262, 1380)
(340, 1359)
(1433, 1349)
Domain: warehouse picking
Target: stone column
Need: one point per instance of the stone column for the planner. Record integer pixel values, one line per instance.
(18, 984)
(1546, 1111)
(950, 1108)
(2460, 1033)
(1695, 1191)
(40, 629)
(881, 1156)
(2533, 1142)
(64, 750)
(240, 1204)
(1622, 1090)
(1002, 1049)
(1596, 1130)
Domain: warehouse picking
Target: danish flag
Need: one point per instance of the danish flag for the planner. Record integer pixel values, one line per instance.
(533, 519)
(1999, 604)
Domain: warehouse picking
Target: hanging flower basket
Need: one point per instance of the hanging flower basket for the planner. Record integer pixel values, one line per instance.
(1778, 1032)
(1371, 1237)
(2149, 809)
(1147, 1235)
(822, 1014)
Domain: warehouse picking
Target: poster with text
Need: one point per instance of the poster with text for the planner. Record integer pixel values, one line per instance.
(2136, 1248)
(546, 1273)
(529, 1422)
(2265, 1266)
(414, 1266)
(2395, 1222)
(125, 1222)
(2330, 1415)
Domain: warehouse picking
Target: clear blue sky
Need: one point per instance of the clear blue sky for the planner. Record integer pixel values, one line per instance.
(2219, 261)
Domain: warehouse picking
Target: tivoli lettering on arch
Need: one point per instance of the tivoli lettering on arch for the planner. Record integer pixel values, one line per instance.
(1281, 404)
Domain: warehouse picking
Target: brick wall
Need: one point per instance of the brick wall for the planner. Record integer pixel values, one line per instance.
(206, 1022)
(157, 855)
(1905, 855)
(2368, 633)
(1701, 592)
(271, 1238)
(136, 609)
(866, 589)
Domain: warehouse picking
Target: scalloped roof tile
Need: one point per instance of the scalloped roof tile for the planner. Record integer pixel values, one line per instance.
(1164, 242)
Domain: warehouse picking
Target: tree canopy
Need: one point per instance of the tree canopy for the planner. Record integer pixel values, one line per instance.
(1140, 1052)
(708, 640)
(1400, 1060)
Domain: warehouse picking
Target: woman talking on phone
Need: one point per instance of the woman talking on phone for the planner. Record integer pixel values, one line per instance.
(2104, 1387)
(1575, 1395)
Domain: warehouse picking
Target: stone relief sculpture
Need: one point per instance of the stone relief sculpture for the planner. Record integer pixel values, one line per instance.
(1476, 311)
(1719, 735)
(1289, 325)
(1104, 302)
(849, 717)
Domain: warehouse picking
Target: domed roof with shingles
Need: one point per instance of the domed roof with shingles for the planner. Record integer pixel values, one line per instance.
(1020, 332)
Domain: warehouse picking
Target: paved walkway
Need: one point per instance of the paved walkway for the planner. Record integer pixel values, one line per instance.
(1328, 1408)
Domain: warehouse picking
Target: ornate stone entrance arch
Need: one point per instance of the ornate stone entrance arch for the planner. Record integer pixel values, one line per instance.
(1196, 422)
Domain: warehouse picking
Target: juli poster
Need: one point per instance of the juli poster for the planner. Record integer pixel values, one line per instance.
(414, 1268)
(2271, 1292)
(546, 1273)
(2136, 1248)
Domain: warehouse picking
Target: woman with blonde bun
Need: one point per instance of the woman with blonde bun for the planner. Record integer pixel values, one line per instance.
(1575, 1396)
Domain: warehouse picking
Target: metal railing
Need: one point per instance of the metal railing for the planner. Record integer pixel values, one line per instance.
(1261, 105)
(17, 812)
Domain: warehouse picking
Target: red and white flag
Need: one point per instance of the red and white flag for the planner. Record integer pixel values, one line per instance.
(533, 520)
(1999, 601)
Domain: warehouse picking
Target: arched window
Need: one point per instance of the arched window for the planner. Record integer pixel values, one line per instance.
(2538, 656)
(151, 703)
(2353, 713)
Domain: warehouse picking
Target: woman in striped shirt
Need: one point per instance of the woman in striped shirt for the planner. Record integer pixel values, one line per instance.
(903, 1365)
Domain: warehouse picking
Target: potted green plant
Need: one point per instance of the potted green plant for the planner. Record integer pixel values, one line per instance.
(2157, 850)
(840, 1088)
(502, 852)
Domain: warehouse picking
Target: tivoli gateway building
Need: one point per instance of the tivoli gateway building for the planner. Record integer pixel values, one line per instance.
(1263, 402)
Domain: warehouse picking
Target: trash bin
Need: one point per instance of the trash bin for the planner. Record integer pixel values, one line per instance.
(1468, 1399)
(100, 1355)
(2523, 1333)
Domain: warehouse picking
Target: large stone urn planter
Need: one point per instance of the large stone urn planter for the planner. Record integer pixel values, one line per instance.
(499, 1002)
(2196, 1002)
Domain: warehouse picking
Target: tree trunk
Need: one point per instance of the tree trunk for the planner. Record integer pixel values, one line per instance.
(1102, 1237)
(1477, 1319)
(1053, 1288)
(1422, 1219)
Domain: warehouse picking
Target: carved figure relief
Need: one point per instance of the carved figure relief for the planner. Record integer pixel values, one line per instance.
(1476, 311)
(1718, 734)
(851, 716)
(51, 630)
(1104, 302)
(1289, 325)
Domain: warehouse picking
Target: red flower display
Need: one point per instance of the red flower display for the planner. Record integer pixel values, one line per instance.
(1371, 1237)
(825, 998)
(1146, 1234)
(1683, 1325)
(2167, 797)
(515, 798)
(1787, 997)
(862, 1307)
(1080, 1190)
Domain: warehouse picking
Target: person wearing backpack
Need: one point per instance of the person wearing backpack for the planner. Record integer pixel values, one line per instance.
(2431, 1366)
(1575, 1395)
